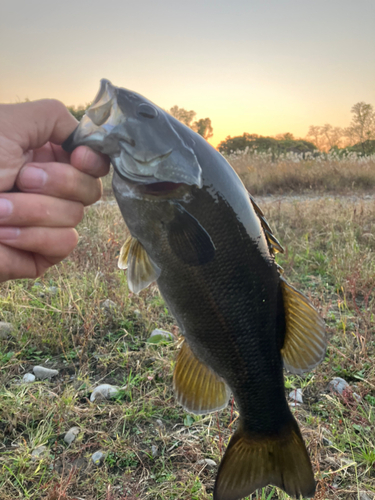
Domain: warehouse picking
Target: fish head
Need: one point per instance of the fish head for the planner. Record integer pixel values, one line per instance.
(146, 145)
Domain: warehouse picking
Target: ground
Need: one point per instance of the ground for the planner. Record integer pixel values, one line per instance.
(152, 448)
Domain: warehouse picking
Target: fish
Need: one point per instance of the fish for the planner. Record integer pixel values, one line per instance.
(196, 231)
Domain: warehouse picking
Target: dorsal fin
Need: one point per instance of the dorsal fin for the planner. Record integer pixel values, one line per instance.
(142, 271)
(273, 244)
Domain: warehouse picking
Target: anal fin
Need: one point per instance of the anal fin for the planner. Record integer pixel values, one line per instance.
(253, 462)
(141, 269)
(197, 388)
(305, 339)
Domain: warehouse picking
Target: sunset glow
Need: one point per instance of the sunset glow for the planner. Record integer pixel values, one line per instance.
(257, 67)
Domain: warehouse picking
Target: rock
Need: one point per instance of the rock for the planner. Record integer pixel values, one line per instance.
(296, 395)
(338, 385)
(40, 452)
(160, 423)
(207, 461)
(5, 329)
(104, 391)
(108, 306)
(364, 496)
(160, 335)
(44, 373)
(98, 458)
(28, 377)
(52, 290)
(154, 450)
(357, 397)
(71, 434)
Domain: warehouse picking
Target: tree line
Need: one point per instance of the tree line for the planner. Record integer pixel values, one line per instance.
(202, 126)
(358, 137)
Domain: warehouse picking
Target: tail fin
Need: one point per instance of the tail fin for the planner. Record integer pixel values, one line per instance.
(250, 463)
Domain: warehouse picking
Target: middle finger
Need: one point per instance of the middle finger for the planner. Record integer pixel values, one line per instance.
(27, 209)
(59, 180)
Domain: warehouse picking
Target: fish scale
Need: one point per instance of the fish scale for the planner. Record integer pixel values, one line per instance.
(196, 231)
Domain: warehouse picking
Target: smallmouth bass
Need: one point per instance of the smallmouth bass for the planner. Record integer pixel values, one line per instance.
(197, 232)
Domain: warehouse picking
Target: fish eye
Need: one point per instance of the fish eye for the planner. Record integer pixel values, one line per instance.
(147, 111)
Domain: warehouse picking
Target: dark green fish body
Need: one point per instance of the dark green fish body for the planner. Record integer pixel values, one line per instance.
(229, 309)
(196, 231)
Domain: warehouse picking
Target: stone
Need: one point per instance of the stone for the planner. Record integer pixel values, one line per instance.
(296, 395)
(364, 496)
(154, 450)
(104, 391)
(71, 435)
(207, 461)
(44, 373)
(108, 305)
(5, 329)
(28, 377)
(160, 335)
(40, 452)
(52, 290)
(98, 458)
(338, 385)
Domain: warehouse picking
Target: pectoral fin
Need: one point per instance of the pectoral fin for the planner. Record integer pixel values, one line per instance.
(188, 239)
(305, 340)
(141, 269)
(197, 388)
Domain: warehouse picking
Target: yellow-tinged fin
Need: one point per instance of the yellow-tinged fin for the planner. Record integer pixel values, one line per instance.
(305, 339)
(197, 388)
(274, 244)
(251, 463)
(141, 269)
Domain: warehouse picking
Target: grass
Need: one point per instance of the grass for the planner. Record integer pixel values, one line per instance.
(291, 173)
(154, 450)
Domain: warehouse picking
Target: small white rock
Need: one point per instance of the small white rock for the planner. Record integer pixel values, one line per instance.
(28, 377)
(158, 335)
(43, 373)
(71, 434)
(108, 305)
(98, 457)
(154, 450)
(338, 385)
(40, 452)
(207, 461)
(5, 329)
(296, 395)
(104, 391)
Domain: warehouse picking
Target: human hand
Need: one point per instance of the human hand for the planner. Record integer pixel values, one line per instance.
(37, 223)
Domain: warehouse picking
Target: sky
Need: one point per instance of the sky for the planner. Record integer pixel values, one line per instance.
(256, 66)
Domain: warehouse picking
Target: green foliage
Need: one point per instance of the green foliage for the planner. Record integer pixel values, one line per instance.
(78, 111)
(257, 143)
(202, 126)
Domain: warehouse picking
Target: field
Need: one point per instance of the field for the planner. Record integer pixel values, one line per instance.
(152, 448)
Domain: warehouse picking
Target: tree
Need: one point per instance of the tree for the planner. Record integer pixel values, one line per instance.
(183, 115)
(78, 111)
(362, 126)
(203, 127)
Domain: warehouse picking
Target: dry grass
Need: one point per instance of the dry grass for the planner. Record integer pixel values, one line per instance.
(330, 247)
(327, 173)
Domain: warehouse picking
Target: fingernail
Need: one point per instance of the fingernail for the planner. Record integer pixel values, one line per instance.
(9, 233)
(32, 177)
(6, 208)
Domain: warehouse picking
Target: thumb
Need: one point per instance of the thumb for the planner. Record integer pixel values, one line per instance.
(32, 124)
